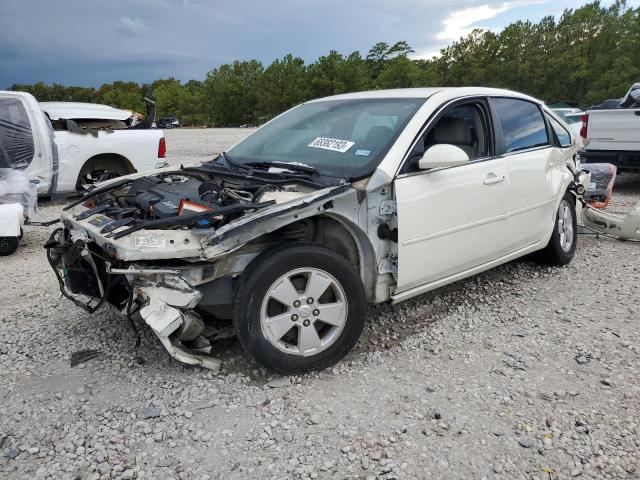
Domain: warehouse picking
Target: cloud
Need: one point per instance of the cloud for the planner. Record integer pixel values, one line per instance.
(132, 26)
(458, 23)
(461, 22)
(90, 43)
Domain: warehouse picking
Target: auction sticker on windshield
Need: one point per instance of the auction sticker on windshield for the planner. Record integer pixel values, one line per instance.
(333, 144)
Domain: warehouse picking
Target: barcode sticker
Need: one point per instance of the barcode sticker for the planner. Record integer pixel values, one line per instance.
(333, 144)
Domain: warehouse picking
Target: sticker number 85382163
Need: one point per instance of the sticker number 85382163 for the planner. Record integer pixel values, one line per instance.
(332, 144)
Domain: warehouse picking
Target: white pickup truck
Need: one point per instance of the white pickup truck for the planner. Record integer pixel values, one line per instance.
(65, 146)
(613, 135)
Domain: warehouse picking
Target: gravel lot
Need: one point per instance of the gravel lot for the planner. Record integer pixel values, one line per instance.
(524, 372)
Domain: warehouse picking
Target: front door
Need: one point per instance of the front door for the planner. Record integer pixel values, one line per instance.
(452, 219)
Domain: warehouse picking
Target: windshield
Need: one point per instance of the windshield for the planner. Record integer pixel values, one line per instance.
(337, 138)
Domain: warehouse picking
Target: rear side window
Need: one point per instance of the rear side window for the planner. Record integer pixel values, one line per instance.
(522, 124)
(16, 139)
(564, 138)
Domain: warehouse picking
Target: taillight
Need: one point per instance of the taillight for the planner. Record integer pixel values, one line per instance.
(162, 148)
(585, 126)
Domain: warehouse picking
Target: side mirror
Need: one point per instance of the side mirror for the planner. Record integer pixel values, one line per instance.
(441, 156)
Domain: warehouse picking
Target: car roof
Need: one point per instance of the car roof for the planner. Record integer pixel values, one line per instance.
(425, 93)
(71, 110)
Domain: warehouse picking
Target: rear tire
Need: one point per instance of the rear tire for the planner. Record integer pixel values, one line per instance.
(299, 308)
(562, 244)
(8, 245)
(100, 169)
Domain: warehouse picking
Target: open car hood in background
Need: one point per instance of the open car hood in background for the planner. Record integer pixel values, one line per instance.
(73, 110)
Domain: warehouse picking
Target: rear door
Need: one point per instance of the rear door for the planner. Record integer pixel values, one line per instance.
(533, 161)
(452, 219)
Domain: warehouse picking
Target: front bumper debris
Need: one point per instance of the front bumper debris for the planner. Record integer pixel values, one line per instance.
(163, 298)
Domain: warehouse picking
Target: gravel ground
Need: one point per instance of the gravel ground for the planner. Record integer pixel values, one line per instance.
(524, 372)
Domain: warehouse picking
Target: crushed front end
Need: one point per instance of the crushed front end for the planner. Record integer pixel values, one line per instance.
(145, 245)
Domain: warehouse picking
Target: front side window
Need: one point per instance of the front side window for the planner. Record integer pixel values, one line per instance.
(564, 138)
(464, 126)
(522, 124)
(338, 138)
(16, 138)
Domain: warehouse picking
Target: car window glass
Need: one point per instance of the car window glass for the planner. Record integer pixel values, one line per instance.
(339, 138)
(564, 138)
(522, 124)
(16, 139)
(463, 126)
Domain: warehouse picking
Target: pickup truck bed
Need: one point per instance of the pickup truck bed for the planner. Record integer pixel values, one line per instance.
(613, 136)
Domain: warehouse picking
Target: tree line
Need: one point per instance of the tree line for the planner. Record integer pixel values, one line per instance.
(586, 55)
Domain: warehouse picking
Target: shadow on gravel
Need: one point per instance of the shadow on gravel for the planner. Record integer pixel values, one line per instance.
(390, 325)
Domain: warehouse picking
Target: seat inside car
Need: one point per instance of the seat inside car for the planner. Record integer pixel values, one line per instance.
(378, 137)
(454, 131)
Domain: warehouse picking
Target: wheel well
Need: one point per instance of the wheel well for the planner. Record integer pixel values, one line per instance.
(332, 233)
(107, 160)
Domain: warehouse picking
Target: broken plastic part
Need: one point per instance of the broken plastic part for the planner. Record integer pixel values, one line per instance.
(624, 227)
(83, 356)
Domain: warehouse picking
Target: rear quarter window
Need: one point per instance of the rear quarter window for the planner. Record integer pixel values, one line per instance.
(564, 137)
(522, 124)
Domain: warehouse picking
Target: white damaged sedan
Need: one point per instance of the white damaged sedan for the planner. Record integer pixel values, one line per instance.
(343, 201)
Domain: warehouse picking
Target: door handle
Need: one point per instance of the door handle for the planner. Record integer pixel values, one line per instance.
(493, 178)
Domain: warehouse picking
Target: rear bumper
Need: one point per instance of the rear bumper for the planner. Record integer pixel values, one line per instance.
(626, 161)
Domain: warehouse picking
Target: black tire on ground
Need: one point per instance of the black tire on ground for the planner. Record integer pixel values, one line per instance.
(558, 251)
(8, 245)
(254, 287)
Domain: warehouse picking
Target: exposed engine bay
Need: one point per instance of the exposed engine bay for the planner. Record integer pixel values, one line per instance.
(181, 199)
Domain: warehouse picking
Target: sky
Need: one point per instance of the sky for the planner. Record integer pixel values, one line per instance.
(88, 43)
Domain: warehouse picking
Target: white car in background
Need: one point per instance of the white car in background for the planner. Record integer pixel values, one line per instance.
(343, 201)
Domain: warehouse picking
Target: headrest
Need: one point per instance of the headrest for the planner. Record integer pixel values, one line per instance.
(451, 130)
(378, 136)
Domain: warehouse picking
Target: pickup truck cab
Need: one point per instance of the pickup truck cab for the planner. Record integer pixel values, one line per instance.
(613, 135)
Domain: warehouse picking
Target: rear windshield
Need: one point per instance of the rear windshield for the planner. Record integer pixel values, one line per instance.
(339, 138)
(16, 138)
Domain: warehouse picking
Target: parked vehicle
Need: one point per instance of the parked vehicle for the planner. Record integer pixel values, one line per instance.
(98, 142)
(613, 135)
(168, 122)
(361, 198)
(21, 150)
(608, 104)
(18, 197)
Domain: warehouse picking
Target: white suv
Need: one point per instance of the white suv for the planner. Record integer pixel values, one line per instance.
(361, 198)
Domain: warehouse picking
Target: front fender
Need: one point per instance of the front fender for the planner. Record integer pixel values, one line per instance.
(238, 233)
